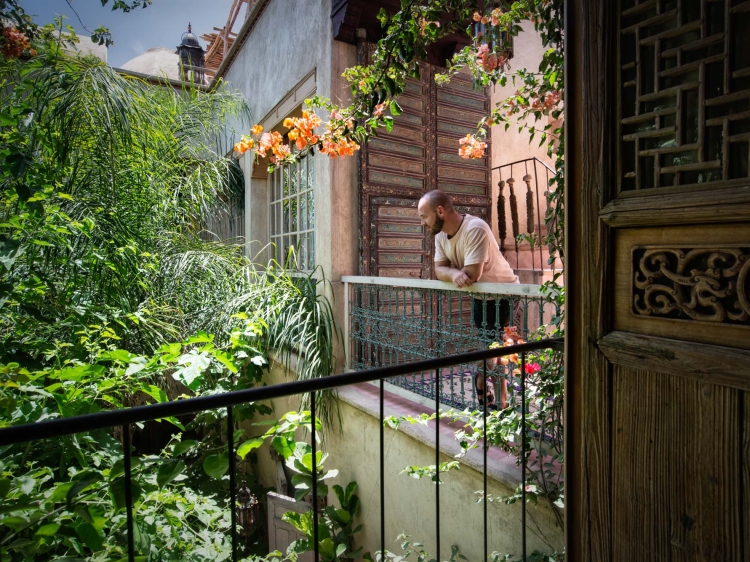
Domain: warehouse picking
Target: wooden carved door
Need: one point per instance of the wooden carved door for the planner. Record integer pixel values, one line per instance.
(420, 154)
(658, 277)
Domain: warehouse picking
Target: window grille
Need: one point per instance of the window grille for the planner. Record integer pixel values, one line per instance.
(292, 209)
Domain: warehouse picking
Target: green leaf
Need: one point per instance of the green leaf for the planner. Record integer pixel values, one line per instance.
(25, 484)
(327, 549)
(395, 109)
(248, 446)
(4, 487)
(184, 446)
(47, 530)
(82, 481)
(226, 360)
(340, 549)
(119, 467)
(117, 493)
(191, 374)
(16, 523)
(10, 249)
(155, 392)
(282, 446)
(168, 471)
(90, 536)
(216, 465)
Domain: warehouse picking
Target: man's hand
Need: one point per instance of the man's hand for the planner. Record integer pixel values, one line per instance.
(460, 279)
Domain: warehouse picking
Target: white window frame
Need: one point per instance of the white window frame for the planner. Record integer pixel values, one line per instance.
(299, 227)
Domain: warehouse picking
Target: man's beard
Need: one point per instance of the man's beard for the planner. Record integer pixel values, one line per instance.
(438, 226)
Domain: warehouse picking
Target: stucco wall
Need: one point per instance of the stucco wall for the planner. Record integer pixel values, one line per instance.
(291, 39)
(410, 503)
(512, 146)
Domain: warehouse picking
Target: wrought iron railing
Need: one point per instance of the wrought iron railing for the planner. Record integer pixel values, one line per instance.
(125, 418)
(523, 188)
(395, 321)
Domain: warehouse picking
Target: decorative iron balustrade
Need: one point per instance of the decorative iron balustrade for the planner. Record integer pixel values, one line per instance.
(525, 185)
(394, 321)
(125, 418)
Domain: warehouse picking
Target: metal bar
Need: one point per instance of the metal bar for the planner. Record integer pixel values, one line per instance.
(484, 443)
(128, 491)
(521, 162)
(524, 452)
(90, 422)
(539, 218)
(316, 545)
(232, 480)
(437, 468)
(382, 474)
(347, 328)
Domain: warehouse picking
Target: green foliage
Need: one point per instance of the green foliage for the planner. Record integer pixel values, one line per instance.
(109, 298)
(410, 548)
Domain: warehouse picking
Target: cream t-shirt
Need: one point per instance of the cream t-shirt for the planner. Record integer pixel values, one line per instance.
(474, 243)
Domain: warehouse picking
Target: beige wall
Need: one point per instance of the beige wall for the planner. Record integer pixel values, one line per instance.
(410, 503)
(512, 146)
(268, 71)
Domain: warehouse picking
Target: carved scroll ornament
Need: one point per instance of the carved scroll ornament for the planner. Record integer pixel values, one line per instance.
(707, 284)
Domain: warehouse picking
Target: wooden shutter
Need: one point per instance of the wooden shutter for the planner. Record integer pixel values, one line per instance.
(658, 277)
(420, 154)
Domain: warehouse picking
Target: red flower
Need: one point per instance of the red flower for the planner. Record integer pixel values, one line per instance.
(532, 368)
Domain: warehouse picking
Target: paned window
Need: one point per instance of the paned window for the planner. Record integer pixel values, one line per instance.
(292, 207)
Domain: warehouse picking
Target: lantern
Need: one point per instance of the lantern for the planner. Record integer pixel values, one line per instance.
(248, 510)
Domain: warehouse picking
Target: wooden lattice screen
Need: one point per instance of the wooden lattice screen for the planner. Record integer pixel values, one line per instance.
(684, 93)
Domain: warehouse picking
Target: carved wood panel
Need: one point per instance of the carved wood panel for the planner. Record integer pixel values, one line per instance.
(669, 282)
(684, 87)
(708, 283)
(419, 154)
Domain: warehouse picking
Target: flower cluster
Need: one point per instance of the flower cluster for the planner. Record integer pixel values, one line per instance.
(492, 19)
(301, 129)
(423, 23)
(547, 102)
(471, 147)
(14, 43)
(490, 61)
(302, 133)
(269, 145)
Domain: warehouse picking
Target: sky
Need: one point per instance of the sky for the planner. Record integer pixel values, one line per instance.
(160, 25)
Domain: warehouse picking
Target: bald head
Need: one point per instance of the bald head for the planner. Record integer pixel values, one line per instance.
(437, 198)
(436, 212)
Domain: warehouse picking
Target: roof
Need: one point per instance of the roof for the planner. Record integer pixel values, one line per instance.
(159, 61)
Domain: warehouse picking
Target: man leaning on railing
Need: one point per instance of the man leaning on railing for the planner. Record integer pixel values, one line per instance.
(465, 253)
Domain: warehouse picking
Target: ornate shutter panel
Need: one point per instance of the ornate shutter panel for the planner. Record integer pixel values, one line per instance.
(394, 176)
(420, 153)
(458, 109)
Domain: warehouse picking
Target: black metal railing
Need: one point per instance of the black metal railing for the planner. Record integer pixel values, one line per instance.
(124, 418)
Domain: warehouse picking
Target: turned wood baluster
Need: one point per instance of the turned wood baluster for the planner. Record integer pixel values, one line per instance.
(514, 216)
(513, 209)
(502, 228)
(529, 205)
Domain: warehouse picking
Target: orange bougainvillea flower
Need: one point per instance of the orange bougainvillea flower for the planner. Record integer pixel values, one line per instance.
(15, 43)
(471, 147)
(379, 110)
(477, 16)
(244, 145)
(256, 130)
